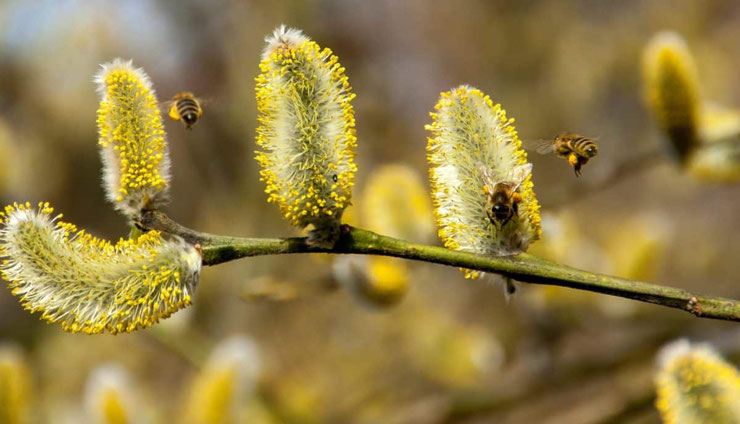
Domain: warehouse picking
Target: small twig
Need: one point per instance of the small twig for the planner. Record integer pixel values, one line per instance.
(523, 267)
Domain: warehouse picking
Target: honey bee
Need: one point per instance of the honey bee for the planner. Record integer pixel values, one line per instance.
(185, 107)
(577, 149)
(503, 196)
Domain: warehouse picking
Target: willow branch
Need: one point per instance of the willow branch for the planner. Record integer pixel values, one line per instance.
(525, 268)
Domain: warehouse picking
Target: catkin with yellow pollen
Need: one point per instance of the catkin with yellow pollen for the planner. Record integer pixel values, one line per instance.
(695, 385)
(306, 133)
(672, 90)
(470, 133)
(132, 139)
(88, 284)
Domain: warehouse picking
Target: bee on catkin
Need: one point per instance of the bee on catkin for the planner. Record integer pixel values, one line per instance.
(503, 195)
(185, 107)
(576, 149)
(480, 177)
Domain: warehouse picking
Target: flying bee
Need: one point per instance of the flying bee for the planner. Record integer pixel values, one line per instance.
(185, 107)
(503, 196)
(577, 149)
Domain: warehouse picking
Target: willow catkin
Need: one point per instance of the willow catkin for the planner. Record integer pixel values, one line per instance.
(695, 385)
(473, 142)
(306, 133)
(132, 140)
(88, 284)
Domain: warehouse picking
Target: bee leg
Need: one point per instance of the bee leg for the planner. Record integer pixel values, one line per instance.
(573, 159)
(491, 217)
(575, 162)
(509, 288)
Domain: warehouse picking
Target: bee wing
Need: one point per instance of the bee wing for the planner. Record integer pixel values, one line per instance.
(519, 174)
(541, 146)
(485, 172)
(205, 100)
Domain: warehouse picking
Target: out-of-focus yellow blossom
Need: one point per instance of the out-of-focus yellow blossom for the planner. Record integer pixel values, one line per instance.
(451, 353)
(298, 400)
(716, 162)
(110, 399)
(719, 123)
(672, 90)
(396, 203)
(378, 280)
(306, 133)
(8, 156)
(705, 137)
(218, 392)
(564, 242)
(88, 284)
(637, 251)
(15, 387)
(696, 386)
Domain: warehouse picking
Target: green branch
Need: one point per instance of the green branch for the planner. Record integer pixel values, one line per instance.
(525, 268)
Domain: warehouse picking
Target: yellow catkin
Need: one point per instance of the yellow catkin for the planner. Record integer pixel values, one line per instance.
(469, 133)
(385, 280)
(672, 90)
(109, 397)
(696, 386)
(716, 162)
(306, 133)
(88, 284)
(131, 139)
(396, 203)
(15, 387)
(223, 384)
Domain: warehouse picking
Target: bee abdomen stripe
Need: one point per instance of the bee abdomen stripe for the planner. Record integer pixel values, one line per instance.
(582, 143)
(186, 105)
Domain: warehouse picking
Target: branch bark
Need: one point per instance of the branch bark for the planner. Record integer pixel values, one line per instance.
(525, 268)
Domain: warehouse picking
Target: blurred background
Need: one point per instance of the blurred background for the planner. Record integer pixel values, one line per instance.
(433, 347)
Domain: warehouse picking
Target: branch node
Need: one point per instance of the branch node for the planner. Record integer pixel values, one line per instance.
(693, 306)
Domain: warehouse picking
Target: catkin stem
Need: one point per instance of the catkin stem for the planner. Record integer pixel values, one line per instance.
(525, 268)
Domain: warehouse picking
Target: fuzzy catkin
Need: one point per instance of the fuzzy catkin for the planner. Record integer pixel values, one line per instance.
(132, 139)
(469, 133)
(306, 133)
(695, 385)
(88, 284)
(672, 90)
